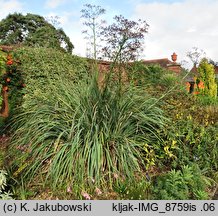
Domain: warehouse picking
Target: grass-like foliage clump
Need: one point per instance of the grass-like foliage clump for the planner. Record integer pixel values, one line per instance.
(83, 133)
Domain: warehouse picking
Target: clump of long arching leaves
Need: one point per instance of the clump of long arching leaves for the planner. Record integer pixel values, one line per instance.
(82, 132)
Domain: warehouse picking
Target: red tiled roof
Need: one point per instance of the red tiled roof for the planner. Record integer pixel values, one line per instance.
(162, 62)
(194, 70)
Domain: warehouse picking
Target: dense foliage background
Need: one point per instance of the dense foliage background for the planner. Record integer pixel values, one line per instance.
(75, 132)
(145, 138)
(34, 31)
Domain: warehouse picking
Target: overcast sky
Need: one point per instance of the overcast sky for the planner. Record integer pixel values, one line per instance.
(175, 25)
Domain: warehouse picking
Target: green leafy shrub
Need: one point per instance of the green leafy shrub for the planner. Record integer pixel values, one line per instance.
(206, 100)
(154, 74)
(81, 132)
(158, 81)
(189, 142)
(191, 137)
(169, 79)
(143, 74)
(3, 183)
(39, 65)
(184, 184)
(207, 75)
(200, 144)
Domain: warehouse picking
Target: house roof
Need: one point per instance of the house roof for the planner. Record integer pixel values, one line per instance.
(162, 62)
(194, 70)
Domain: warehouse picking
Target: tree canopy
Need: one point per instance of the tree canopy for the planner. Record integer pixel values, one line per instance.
(93, 31)
(207, 75)
(32, 30)
(124, 39)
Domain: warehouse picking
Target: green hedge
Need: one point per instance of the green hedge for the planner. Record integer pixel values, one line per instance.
(41, 65)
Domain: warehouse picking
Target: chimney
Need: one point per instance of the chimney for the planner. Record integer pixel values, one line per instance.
(174, 66)
(174, 57)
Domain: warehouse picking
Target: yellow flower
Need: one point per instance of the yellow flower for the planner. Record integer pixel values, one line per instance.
(174, 143)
